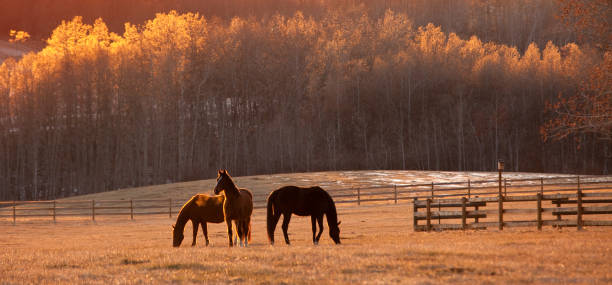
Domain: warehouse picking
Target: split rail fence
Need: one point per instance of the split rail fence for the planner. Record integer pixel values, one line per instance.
(589, 200)
(477, 195)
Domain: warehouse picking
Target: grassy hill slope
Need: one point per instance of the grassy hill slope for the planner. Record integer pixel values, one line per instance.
(262, 185)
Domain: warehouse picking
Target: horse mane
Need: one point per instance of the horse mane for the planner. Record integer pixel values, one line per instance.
(189, 203)
(331, 214)
(229, 181)
(186, 206)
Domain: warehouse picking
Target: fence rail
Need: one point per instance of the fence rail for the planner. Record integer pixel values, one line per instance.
(478, 192)
(603, 209)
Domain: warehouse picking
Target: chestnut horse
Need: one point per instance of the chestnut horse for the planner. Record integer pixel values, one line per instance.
(200, 209)
(313, 202)
(238, 207)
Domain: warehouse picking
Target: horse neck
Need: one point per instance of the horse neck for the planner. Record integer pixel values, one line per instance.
(230, 188)
(332, 216)
(183, 216)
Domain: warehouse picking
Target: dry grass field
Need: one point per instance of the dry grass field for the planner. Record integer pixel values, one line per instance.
(378, 246)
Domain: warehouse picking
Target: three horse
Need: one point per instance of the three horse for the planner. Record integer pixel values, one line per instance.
(313, 202)
(237, 207)
(200, 209)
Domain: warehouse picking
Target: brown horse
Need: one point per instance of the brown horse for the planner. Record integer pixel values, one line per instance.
(313, 202)
(238, 207)
(200, 209)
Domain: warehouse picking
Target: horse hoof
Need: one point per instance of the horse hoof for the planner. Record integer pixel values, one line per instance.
(316, 243)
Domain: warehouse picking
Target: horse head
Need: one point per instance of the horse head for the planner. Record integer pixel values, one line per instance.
(177, 237)
(221, 181)
(334, 233)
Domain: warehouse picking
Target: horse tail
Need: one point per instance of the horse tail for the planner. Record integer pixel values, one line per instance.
(270, 215)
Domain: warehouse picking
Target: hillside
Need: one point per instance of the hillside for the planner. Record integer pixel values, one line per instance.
(261, 185)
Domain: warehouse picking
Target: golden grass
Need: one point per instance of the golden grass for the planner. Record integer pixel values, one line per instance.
(378, 246)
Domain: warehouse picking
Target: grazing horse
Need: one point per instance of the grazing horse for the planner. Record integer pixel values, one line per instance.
(313, 202)
(200, 209)
(238, 207)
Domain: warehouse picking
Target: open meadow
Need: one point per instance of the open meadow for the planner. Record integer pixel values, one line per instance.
(378, 246)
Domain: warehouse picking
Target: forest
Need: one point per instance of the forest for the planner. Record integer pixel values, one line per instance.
(353, 87)
(516, 23)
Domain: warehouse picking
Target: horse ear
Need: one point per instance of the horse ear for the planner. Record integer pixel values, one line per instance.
(339, 222)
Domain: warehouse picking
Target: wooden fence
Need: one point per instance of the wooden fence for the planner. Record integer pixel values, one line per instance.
(394, 193)
(460, 212)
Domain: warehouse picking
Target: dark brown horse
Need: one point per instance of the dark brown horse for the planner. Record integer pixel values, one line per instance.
(200, 209)
(313, 202)
(238, 207)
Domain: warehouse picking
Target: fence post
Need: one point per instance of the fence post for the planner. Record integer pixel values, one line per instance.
(539, 211)
(505, 188)
(469, 188)
(93, 210)
(54, 206)
(463, 213)
(542, 185)
(170, 207)
(358, 197)
(439, 210)
(131, 209)
(579, 208)
(14, 212)
(415, 222)
(428, 206)
(476, 210)
(558, 203)
(432, 190)
(395, 190)
(500, 207)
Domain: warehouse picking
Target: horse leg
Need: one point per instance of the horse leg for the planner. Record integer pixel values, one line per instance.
(286, 219)
(320, 220)
(205, 230)
(272, 226)
(195, 231)
(313, 220)
(239, 229)
(247, 231)
(235, 235)
(229, 231)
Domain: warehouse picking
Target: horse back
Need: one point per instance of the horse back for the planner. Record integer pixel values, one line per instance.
(208, 208)
(302, 201)
(247, 199)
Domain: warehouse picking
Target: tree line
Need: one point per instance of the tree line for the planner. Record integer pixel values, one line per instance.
(181, 96)
(516, 23)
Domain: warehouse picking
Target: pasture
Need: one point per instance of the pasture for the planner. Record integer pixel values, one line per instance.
(378, 246)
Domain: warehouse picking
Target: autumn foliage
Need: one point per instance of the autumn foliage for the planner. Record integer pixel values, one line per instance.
(587, 112)
(182, 95)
